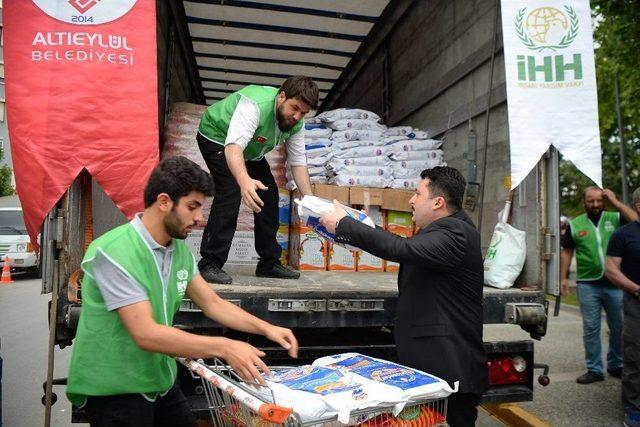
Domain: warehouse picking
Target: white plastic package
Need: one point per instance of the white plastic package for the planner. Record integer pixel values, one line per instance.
(405, 183)
(317, 131)
(316, 392)
(356, 134)
(384, 171)
(311, 208)
(417, 155)
(357, 152)
(345, 180)
(345, 145)
(398, 130)
(317, 151)
(505, 256)
(415, 145)
(345, 124)
(411, 384)
(347, 113)
(337, 163)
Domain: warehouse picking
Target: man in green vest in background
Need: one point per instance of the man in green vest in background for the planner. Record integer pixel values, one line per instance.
(135, 276)
(588, 235)
(234, 135)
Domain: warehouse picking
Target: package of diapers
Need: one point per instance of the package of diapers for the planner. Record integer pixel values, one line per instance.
(316, 392)
(411, 384)
(311, 208)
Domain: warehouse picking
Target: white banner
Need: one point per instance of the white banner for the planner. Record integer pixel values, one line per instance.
(551, 84)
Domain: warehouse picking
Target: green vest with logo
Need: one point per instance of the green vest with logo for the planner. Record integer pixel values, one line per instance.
(214, 124)
(591, 243)
(106, 360)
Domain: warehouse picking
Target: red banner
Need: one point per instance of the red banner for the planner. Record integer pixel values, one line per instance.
(81, 92)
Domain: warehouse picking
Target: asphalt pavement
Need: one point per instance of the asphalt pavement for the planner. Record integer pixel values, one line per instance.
(24, 335)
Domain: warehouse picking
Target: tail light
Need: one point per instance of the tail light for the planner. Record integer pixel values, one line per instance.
(507, 370)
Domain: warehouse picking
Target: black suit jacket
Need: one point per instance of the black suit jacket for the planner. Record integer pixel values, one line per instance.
(439, 312)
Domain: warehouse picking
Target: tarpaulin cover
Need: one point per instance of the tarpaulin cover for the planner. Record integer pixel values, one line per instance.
(81, 90)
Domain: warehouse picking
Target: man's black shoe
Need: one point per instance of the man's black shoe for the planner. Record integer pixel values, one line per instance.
(215, 275)
(589, 378)
(277, 271)
(617, 372)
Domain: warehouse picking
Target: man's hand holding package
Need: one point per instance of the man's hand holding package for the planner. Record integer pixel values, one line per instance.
(330, 220)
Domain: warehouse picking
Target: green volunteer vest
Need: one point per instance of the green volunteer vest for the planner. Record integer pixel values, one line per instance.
(215, 121)
(591, 243)
(106, 359)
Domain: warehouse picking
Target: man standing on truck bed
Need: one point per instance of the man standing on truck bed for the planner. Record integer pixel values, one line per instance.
(439, 312)
(233, 137)
(135, 276)
(588, 234)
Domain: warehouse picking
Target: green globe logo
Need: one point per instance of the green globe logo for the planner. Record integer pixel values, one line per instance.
(547, 28)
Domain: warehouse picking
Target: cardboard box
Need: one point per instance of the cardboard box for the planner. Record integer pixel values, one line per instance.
(365, 261)
(242, 252)
(341, 259)
(365, 196)
(307, 250)
(243, 249)
(331, 192)
(368, 262)
(400, 223)
(396, 199)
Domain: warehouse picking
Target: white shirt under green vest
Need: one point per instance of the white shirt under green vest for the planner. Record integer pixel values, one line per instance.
(248, 118)
(106, 360)
(591, 243)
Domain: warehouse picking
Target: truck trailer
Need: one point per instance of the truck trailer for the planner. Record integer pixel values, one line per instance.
(435, 65)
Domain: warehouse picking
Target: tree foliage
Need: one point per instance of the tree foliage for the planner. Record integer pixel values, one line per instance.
(617, 51)
(5, 178)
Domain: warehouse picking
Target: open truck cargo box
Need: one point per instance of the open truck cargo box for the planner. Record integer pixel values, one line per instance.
(421, 63)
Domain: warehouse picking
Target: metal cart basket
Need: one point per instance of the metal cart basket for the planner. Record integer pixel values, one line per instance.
(233, 404)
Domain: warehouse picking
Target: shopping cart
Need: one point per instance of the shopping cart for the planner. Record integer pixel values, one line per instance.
(233, 404)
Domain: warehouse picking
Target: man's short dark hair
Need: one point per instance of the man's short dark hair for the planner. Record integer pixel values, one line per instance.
(447, 182)
(177, 176)
(303, 88)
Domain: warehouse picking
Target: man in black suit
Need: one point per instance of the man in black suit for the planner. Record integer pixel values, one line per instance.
(439, 312)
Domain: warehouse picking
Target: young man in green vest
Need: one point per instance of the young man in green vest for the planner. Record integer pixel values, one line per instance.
(135, 276)
(233, 137)
(589, 234)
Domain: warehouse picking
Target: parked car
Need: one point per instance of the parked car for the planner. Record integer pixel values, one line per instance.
(15, 243)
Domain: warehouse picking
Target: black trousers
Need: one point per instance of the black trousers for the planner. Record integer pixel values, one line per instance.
(133, 410)
(631, 355)
(221, 226)
(462, 409)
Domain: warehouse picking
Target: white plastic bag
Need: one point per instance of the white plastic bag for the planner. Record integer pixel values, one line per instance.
(505, 256)
(345, 124)
(347, 113)
(356, 134)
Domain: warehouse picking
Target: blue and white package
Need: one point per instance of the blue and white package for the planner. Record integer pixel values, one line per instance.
(311, 208)
(412, 383)
(316, 392)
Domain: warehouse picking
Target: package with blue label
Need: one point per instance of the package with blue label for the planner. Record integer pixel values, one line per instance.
(316, 392)
(410, 383)
(311, 208)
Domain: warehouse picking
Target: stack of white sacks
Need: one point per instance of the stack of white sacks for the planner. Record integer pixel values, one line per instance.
(410, 152)
(317, 141)
(359, 151)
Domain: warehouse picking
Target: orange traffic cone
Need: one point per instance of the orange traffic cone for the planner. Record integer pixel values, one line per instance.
(6, 272)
